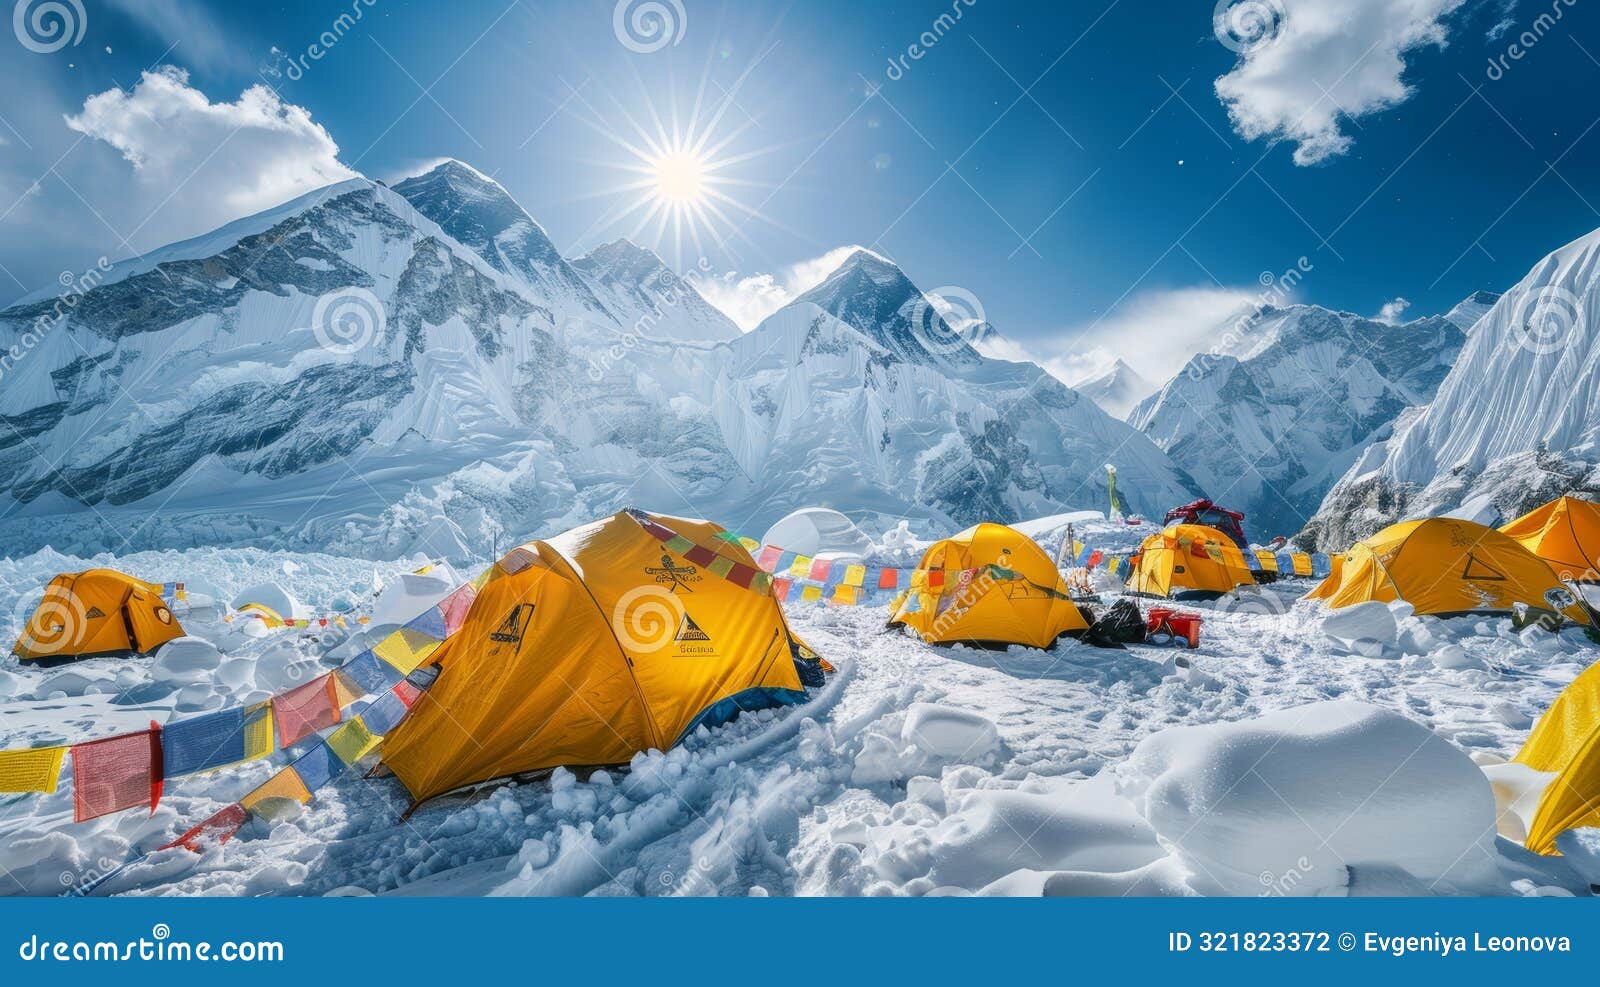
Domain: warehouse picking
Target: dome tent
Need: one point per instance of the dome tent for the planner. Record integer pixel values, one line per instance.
(1565, 744)
(1566, 534)
(1447, 567)
(620, 636)
(1188, 560)
(94, 613)
(818, 531)
(989, 586)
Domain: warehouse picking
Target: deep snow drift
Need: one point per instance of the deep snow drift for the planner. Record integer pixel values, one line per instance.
(1289, 754)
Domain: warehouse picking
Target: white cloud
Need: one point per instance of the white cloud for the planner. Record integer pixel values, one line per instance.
(1329, 60)
(1392, 311)
(202, 164)
(1155, 333)
(747, 299)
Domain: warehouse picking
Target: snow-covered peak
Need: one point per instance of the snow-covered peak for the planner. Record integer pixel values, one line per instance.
(1118, 390)
(622, 260)
(1513, 424)
(649, 298)
(1470, 309)
(479, 213)
(871, 294)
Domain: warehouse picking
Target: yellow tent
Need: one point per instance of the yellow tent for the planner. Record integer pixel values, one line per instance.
(1447, 566)
(1566, 742)
(620, 636)
(98, 612)
(1188, 559)
(1566, 534)
(990, 586)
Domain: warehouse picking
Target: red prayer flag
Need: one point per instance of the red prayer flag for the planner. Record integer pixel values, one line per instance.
(1095, 558)
(819, 569)
(700, 555)
(888, 578)
(780, 588)
(302, 711)
(116, 773)
(455, 606)
(935, 578)
(217, 830)
(741, 575)
(406, 693)
(769, 557)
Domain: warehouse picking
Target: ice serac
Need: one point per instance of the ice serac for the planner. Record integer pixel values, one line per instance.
(1270, 427)
(1515, 423)
(649, 299)
(481, 215)
(1118, 390)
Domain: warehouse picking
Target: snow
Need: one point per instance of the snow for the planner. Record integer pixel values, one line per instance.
(819, 531)
(917, 770)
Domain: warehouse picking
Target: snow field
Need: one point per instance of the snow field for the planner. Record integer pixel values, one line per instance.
(1283, 756)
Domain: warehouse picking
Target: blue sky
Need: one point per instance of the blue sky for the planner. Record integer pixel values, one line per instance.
(1072, 167)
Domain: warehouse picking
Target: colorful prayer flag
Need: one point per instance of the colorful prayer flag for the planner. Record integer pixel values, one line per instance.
(304, 710)
(116, 773)
(214, 740)
(34, 770)
(283, 785)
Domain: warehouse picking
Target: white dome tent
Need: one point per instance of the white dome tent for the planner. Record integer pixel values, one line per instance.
(819, 532)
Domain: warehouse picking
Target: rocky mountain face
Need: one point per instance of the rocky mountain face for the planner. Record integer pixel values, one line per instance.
(384, 371)
(1515, 422)
(1270, 427)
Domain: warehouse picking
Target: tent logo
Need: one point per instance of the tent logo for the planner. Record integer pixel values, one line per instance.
(94, 612)
(688, 630)
(515, 625)
(673, 577)
(1478, 571)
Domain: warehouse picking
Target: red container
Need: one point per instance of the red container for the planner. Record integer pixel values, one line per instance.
(1175, 622)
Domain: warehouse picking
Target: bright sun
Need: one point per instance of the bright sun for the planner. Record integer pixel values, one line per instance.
(680, 178)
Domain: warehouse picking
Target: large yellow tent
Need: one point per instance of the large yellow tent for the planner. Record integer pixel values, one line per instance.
(1446, 566)
(1566, 534)
(97, 612)
(620, 636)
(990, 586)
(1566, 742)
(1188, 559)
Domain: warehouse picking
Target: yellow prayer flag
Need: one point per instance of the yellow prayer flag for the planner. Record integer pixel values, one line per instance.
(33, 770)
(283, 785)
(855, 575)
(353, 741)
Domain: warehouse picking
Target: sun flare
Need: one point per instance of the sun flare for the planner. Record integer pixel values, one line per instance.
(680, 178)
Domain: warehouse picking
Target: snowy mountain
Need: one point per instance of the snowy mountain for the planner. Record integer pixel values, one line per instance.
(650, 298)
(1469, 310)
(1514, 424)
(1268, 430)
(344, 373)
(1118, 390)
(857, 389)
(483, 217)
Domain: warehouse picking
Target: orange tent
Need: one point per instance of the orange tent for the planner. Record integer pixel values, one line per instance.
(1566, 534)
(98, 612)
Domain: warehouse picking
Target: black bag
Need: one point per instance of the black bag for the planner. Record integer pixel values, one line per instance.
(1117, 625)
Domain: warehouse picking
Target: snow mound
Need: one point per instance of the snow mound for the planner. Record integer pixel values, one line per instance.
(1368, 628)
(186, 661)
(950, 734)
(268, 594)
(409, 595)
(1305, 799)
(819, 531)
